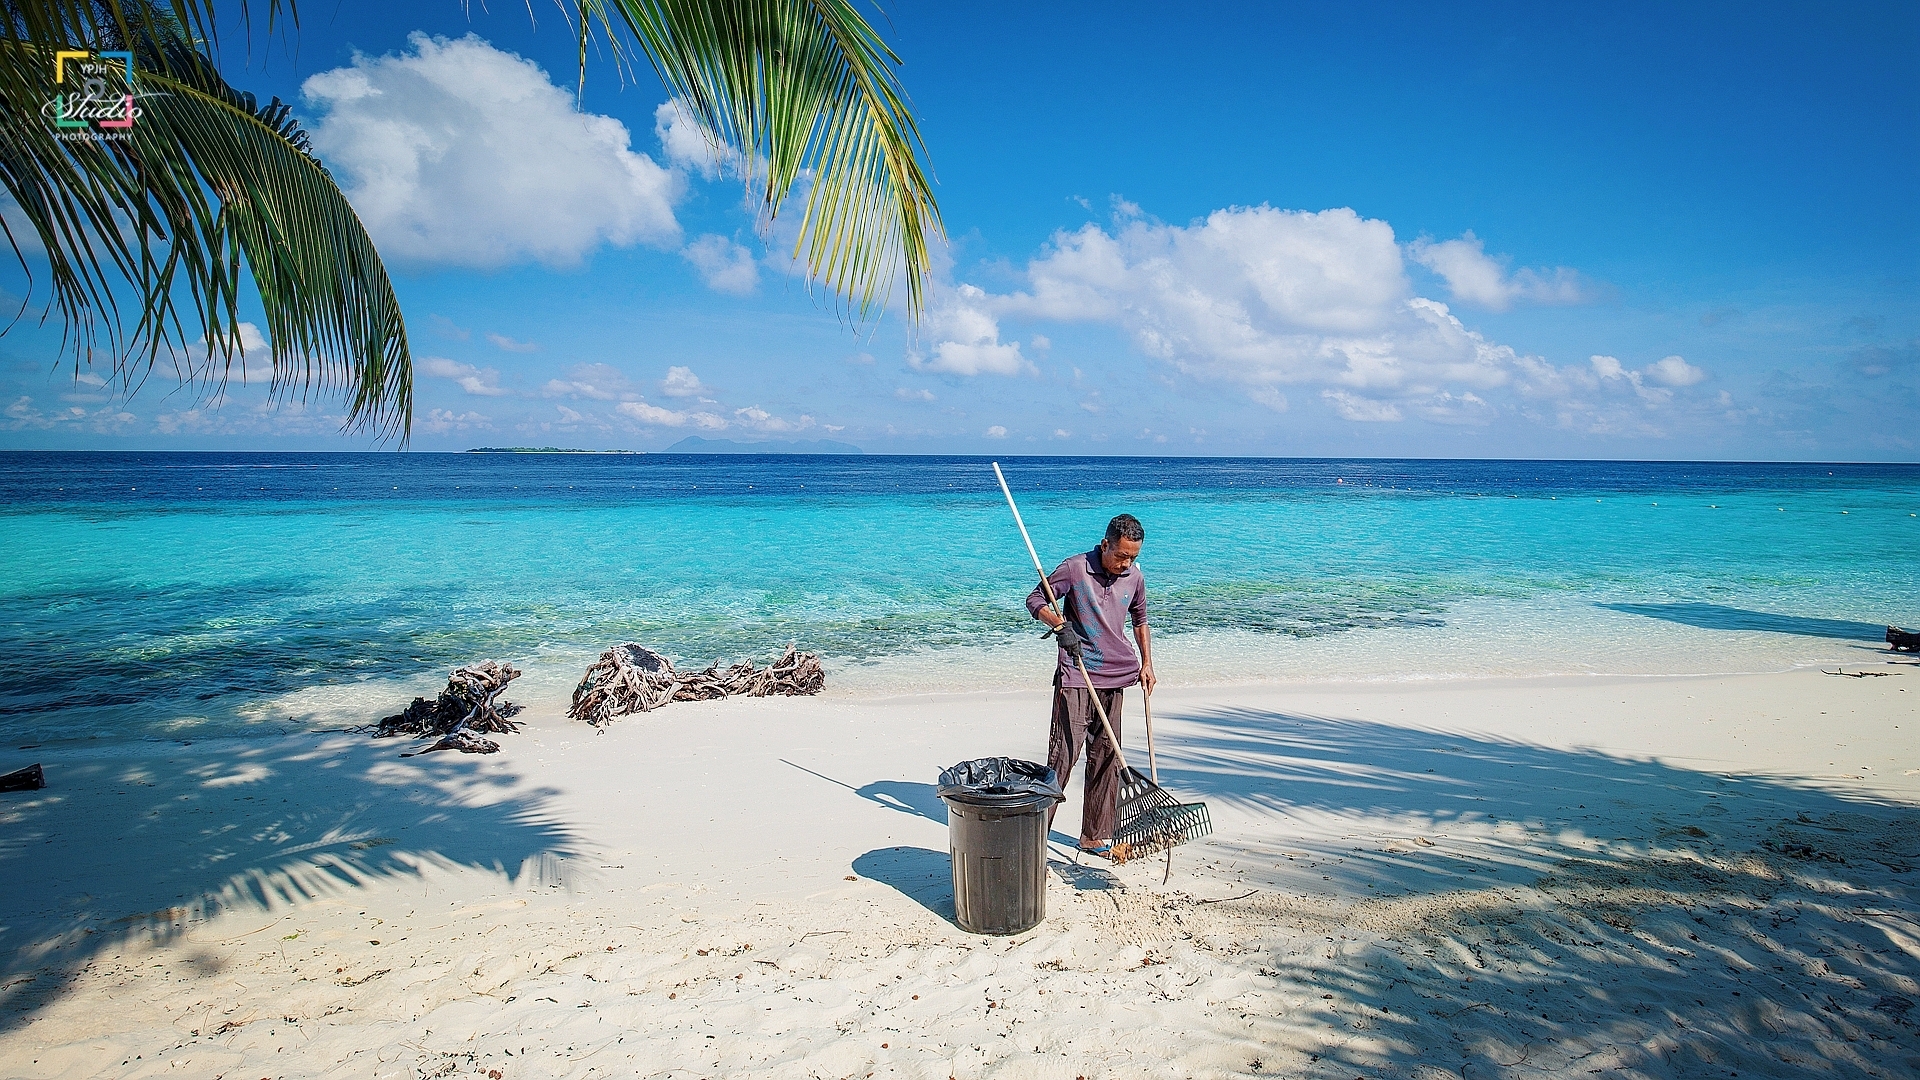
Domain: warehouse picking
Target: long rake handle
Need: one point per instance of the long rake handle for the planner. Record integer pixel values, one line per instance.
(1146, 705)
(1054, 602)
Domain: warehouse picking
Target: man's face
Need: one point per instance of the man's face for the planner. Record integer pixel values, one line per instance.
(1117, 555)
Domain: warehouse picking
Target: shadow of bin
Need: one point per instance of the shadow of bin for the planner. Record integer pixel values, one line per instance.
(997, 837)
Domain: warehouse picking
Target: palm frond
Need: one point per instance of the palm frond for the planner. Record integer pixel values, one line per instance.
(72, 23)
(802, 88)
(204, 191)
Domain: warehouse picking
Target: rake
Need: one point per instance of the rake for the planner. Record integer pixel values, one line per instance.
(1147, 819)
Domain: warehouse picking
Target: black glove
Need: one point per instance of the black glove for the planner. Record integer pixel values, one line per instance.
(1070, 640)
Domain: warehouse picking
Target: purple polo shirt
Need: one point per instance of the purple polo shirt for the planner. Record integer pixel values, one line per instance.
(1099, 605)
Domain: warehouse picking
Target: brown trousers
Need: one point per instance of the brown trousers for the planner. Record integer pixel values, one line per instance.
(1075, 727)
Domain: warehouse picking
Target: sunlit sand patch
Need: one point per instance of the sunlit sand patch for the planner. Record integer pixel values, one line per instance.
(251, 773)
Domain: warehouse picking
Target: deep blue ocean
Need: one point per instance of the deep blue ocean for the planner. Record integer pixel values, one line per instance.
(176, 595)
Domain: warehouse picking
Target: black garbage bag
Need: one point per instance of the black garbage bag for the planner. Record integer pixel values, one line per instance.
(987, 781)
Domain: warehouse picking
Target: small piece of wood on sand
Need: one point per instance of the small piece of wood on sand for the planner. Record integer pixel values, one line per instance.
(27, 779)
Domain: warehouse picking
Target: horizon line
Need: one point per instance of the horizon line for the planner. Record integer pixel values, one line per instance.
(990, 457)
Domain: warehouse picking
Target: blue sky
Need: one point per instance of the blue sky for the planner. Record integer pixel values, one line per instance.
(1684, 231)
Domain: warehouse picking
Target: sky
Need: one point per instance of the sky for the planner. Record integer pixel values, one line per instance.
(1376, 230)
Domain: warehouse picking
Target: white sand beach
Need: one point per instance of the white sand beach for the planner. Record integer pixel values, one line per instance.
(1644, 877)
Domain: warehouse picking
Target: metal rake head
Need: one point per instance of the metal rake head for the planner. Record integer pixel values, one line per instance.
(1151, 820)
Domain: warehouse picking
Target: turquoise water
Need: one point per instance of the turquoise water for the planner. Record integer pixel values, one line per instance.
(177, 595)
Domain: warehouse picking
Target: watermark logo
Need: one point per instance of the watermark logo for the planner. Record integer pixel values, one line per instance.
(88, 104)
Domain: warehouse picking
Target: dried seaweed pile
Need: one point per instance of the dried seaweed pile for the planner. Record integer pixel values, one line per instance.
(468, 708)
(632, 678)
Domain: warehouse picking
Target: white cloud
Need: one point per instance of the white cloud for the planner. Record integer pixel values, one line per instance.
(688, 145)
(1605, 397)
(255, 357)
(995, 432)
(503, 342)
(976, 358)
(1607, 367)
(659, 417)
(457, 153)
(1610, 370)
(573, 388)
(1271, 398)
(1062, 433)
(1243, 268)
(275, 418)
(603, 382)
(758, 419)
(967, 337)
(441, 421)
(187, 421)
(1445, 407)
(1474, 277)
(1674, 371)
(724, 265)
(1363, 410)
(1263, 297)
(905, 394)
(476, 381)
(21, 415)
(1606, 374)
(599, 382)
(1267, 298)
(251, 363)
(682, 382)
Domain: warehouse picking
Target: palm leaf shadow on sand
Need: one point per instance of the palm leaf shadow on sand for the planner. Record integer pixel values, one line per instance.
(268, 824)
(1569, 909)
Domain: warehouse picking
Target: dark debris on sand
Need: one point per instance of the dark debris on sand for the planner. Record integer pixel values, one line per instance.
(467, 710)
(632, 678)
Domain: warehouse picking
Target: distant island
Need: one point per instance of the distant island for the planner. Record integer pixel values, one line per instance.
(544, 450)
(694, 444)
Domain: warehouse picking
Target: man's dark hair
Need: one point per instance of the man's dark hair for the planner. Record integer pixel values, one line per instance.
(1125, 527)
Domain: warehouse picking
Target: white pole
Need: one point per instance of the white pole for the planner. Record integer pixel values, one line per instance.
(998, 475)
(1054, 601)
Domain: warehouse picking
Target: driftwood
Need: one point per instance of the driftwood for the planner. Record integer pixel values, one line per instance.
(632, 678)
(1903, 640)
(462, 712)
(27, 779)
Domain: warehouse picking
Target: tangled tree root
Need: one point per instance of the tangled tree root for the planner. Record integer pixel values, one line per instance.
(459, 716)
(632, 678)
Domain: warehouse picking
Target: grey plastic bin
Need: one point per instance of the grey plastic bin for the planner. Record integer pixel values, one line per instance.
(997, 837)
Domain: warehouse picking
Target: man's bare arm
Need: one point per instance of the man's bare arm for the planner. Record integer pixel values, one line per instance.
(1145, 637)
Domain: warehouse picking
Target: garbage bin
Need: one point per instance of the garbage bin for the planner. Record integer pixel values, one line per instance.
(997, 836)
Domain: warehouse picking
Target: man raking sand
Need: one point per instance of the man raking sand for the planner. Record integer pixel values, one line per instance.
(1104, 591)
